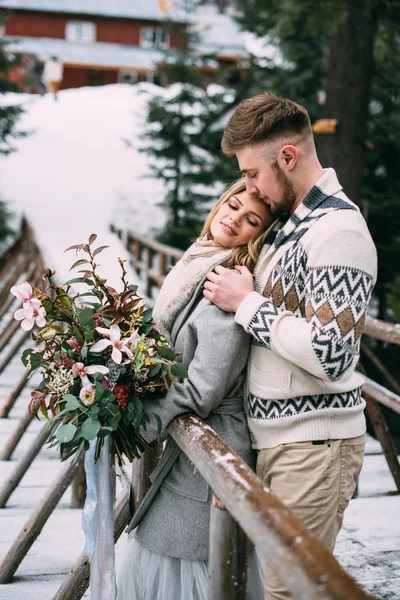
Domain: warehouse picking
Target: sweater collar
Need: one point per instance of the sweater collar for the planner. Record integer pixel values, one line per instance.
(324, 196)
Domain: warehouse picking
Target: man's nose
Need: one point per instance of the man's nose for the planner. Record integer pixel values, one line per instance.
(251, 188)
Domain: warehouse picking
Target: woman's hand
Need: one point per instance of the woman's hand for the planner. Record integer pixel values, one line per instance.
(225, 289)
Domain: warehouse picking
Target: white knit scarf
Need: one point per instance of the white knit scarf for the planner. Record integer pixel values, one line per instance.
(180, 283)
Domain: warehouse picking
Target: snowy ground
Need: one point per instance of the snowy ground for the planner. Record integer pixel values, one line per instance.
(75, 174)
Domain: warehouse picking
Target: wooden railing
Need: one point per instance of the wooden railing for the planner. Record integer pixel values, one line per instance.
(150, 259)
(241, 503)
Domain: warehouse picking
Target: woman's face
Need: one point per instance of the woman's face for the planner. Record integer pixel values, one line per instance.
(238, 219)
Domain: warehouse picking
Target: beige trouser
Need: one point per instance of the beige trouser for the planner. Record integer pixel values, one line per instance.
(316, 482)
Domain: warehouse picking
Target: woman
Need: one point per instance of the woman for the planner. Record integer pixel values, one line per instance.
(167, 551)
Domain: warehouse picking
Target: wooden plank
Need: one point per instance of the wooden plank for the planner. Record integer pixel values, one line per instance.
(381, 394)
(16, 436)
(380, 330)
(14, 395)
(21, 468)
(36, 522)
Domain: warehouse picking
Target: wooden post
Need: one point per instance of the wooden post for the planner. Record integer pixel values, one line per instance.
(149, 264)
(136, 256)
(162, 265)
(35, 523)
(13, 442)
(78, 495)
(77, 581)
(21, 468)
(383, 434)
(141, 470)
(14, 395)
(228, 559)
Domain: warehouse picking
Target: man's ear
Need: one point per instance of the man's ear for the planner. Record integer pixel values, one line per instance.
(287, 157)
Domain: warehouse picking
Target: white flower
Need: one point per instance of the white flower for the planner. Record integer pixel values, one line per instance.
(87, 395)
(115, 341)
(79, 370)
(32, 313)
(134, 339)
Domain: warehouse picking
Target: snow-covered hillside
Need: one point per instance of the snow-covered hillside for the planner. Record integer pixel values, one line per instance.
(74, 174)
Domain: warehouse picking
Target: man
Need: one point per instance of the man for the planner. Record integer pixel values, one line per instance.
(313, 283)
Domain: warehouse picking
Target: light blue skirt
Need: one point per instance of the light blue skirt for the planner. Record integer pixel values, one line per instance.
(145, 575)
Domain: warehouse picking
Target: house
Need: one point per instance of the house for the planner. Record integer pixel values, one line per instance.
(109, 41)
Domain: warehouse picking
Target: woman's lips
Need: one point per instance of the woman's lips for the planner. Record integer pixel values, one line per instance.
(228, 229)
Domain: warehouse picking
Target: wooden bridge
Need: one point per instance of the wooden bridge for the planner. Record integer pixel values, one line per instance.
(41, 542)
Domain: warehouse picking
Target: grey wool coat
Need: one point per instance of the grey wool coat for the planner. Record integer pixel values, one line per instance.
(173, 518)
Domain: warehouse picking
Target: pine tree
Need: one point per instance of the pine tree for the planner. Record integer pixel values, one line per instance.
(9, 115)
(174, 122)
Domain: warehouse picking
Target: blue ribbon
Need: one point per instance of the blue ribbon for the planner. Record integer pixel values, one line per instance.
(98, 521)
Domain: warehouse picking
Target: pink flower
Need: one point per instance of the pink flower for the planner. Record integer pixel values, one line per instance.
(23, 292)
(79, 370)
(73, 343)
(87, 395)
(32, 313)
(115, 341)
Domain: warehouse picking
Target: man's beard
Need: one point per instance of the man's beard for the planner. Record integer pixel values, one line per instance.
(288, 194)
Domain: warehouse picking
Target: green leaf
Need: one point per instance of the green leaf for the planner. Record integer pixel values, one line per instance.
(99, 249)
(179, 370)
(166, 352)
(100, 391)
(147, 315)
(78, 263)
(75, 280)
(86, 316)
(25, 355)
(65, 433)
(90, 428)
(154, 370)
(72, 402)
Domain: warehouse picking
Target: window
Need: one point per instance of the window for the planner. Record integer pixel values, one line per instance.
(80, 31)
(128, 77)
(151, 37)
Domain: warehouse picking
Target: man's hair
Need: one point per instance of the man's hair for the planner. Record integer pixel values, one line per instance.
(266, 118)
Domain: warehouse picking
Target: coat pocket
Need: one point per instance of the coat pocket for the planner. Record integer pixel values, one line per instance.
(185, 479)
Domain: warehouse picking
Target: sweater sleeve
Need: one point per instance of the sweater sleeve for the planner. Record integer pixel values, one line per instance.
(325, 342)
(220, 356)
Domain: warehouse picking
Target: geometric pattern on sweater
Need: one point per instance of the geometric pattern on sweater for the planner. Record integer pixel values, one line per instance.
(336, 306)
(261, 323)
(334, 299)
(266, 408)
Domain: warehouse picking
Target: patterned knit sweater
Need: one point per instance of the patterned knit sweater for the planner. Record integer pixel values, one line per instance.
(313, 283)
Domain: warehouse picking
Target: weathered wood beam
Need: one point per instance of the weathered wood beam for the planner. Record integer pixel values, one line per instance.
(308, 569)
(381, 330)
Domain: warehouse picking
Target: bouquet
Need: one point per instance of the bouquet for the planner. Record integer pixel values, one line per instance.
(99, 353)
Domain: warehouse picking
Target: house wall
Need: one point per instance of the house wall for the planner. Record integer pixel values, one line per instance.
(52, 25)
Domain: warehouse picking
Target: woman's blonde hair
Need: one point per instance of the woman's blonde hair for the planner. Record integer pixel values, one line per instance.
(248, 254)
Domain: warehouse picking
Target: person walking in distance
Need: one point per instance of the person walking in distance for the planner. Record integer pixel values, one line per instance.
(52, 75)
(305, 313)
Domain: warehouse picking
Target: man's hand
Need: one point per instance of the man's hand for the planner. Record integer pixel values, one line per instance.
(226, 289)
